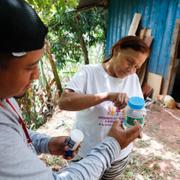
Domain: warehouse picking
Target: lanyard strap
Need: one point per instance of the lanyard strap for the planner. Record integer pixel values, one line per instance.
(2, 105)
(21, 122)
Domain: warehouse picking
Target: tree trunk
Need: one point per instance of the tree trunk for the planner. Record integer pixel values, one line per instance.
(82, 41)
(48, 88)
(84, 49)
(54, 69)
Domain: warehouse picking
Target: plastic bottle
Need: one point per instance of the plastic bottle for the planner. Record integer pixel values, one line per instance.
(73, 141)
(134, 111)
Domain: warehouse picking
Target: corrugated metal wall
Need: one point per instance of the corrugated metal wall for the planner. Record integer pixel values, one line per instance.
(158, 15)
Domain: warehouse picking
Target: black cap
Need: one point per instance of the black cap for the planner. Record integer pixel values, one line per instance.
(21, 29)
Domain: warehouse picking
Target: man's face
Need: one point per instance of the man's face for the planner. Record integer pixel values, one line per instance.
(16, 79)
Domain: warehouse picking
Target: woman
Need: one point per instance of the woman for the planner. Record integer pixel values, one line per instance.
(99, 92)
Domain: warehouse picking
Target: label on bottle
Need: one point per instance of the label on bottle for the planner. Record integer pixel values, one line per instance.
(130, 120)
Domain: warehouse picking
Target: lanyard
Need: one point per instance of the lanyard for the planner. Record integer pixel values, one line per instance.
(21, 122)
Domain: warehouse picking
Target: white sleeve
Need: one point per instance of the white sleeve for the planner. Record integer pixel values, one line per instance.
(78, 82)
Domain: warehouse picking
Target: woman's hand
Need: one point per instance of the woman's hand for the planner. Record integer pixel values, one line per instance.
(120, 99)
(57, 146)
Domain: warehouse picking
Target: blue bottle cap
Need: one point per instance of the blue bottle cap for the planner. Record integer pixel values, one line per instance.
(136, 103)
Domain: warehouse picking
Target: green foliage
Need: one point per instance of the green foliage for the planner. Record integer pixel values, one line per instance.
(48, 5)
(67, 27)
(47, 8)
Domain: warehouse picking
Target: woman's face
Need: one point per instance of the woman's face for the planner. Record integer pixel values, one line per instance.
(126, 62)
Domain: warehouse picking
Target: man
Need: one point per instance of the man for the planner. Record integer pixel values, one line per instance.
(22, 35)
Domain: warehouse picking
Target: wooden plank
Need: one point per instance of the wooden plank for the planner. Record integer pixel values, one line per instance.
(148, 32)
(134, 24)
(148, 40)
(142, 72)
(155, 81)
(142, 33)
(147, 90)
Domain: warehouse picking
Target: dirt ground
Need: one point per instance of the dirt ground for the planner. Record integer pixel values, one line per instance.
(155, 157)
(163, 127)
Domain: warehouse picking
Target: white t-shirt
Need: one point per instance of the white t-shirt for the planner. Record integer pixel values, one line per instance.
(96, 121)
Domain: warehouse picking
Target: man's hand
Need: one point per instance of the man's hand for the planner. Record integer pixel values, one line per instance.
(124, 137)
(57, 146)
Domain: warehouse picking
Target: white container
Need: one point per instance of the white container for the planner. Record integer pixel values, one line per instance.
(73, 141)
(77, 136)
(134, 111)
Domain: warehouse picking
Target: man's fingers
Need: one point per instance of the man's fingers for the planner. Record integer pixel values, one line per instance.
(133, 136)
(66, 148)
(136, 122)
(116, 123)
(121, 125)
(134, 131)
(140, 135)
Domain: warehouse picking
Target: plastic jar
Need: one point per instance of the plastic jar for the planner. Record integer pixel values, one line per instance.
(134, 111)
(73, 141)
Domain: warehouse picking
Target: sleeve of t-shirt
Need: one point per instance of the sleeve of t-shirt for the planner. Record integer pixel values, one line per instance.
(78, 81)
